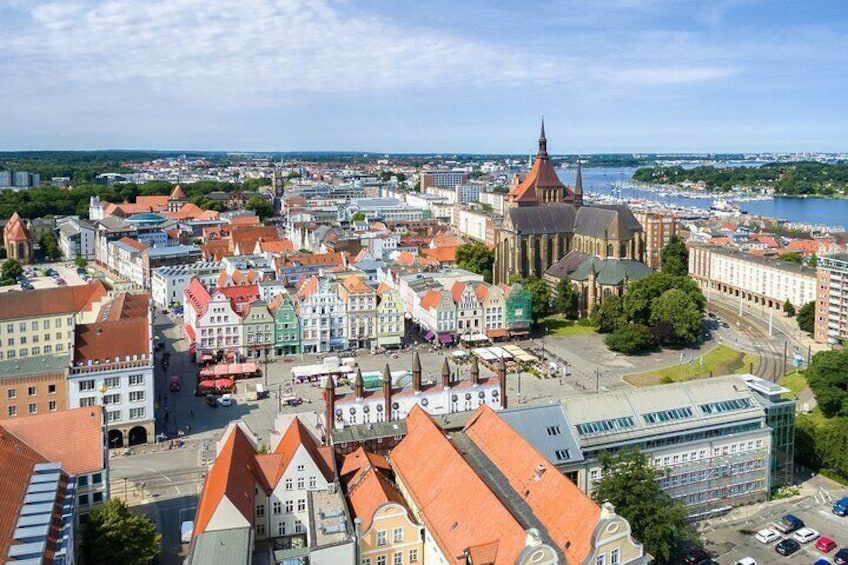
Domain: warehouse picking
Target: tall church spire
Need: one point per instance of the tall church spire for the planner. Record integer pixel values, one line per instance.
(578, 185)
(543, 141)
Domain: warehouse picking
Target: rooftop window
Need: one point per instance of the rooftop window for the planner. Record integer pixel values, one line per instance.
(667, 415)
(726, 406)
(602, 426)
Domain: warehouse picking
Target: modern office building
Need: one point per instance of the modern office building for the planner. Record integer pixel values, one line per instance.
(831, 324)
(167, 284)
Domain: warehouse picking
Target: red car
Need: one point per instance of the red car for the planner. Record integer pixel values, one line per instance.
(825, 544)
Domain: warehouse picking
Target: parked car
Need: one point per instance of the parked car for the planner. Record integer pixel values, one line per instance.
(787, 547)
(806, 535)
(788, 524)
(695, 556)
(227, 399)
(212, 400)
(746, 561)
(186, 529)
(825, 544)
(822, 562)
(767, 535)
(841, 557)
(840, 507)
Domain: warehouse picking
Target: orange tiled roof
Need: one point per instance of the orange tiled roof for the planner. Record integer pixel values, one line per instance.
(51, 301)
(369, 491)
(482, 291)
(150, 202)
(16, 462)
(215, 249)
(245, 221)
(134, 243)
(277, 246)
(542, 175)
(452, 515)
(296, 435)
(15, 230)
(123, 340)
(307, 287)
(361, 458)
(568, 514)
(197, 296)
(233, 476)
(124, 306)
(805, 246)
(441, 254)
(73, 438)
(456, 290)
(356, 285)
(177, 193)
(431, 299)
(383, 287)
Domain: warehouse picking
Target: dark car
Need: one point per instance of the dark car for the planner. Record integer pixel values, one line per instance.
(841, 556)
(695, 556)
(787, 547)
(212, 400)
(708, 562)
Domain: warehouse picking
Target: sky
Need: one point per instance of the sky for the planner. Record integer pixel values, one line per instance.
(438, 76)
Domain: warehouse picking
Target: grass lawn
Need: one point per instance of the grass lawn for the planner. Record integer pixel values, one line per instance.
(721, 360)
(557, 326)
(796, 382)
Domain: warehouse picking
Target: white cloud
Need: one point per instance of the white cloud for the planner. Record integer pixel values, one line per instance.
(672, 75)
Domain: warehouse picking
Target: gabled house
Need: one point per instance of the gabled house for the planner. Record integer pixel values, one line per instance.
(469, 309)
(360, 304)
(286, 325)
(390, 319)
(323, 318)
(258, 329)
(437, 313)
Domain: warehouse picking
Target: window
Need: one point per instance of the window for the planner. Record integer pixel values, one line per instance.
(382, 538)
(552, 430)
(13, 411)
(260, 510)
(260, 529)
(112, 382)
(12, 393)
(300, 483)
(136, 413)
(10, 328)
(113, 416)
(289, 483)
(312, 482)
(366, 561)
(298, 526)
(381, 560)
(111, 399)
(136, 396)
(289, 506)
(87, 401)
(413, 556)
(51, 389)
(397, 535)
(46, 324)
(97, 498)
(96, 478)
(615, 556)
(281, 529)
(277, 507)
(301, 504)
(601, 560)
(86, 385)
(52, 405)
(300, 468)
(397, 559)
(83, 499)
(35, 325)
(136, 380)
(32, 391)
(33, 408)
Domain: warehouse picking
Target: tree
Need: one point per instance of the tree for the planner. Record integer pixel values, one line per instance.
(540, 294)
(114, 534)
(788, 308)
(81, 262)
(49, 246)
(10, 271)
(641, 294)
(675, 257)
(631, 339)
(827, 376)
(566, 298)
(477, 258)
(677, 309)
(609, 316)
(358, 217)
(831, 439)
(807, 317)
(813, 261)
(262, 207)
(630, 483)
(791, 257)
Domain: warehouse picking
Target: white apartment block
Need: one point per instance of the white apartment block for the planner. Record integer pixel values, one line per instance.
(167, 284)
(757, 280)
(831, 323)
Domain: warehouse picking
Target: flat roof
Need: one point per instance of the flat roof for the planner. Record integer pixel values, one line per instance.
(222, 547)
(35, 365)
(546, 429)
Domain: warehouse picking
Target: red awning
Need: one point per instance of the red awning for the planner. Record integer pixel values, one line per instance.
(496, 333)
(224, 383)
(190, 333)
(445, 338)
(206, 384)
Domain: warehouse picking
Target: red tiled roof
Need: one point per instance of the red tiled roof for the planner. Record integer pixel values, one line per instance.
(233, 476)
(240, 296)
(805, 246)
(431, 299)
(51, 301)
(73, 438)
(151, 202)
(134, 243)
(361, 458)
(16, 462)
(441, 254)
(456, 290)
(197, 296)
(278, 246)
(15, 230)
(422, 461)
(177, 193)
(482, 292)
(368, 492)
(296, 435)
(356, 285)
(124, 306)
(568, 514)
(245, 221)
(542, 175)
(112, 342)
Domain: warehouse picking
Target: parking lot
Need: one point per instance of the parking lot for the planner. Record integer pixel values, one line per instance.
(36, 276)
(731, 538)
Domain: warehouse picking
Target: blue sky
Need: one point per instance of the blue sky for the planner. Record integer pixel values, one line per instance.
(428, 76)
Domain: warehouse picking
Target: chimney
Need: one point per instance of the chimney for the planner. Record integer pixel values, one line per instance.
(358, 385)
(416, 372)
(502, 381)
(387, 392)
(475, 371)
(446, 374)
(329, 409)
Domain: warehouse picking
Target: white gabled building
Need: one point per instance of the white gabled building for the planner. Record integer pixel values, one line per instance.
(212, 324)
(323, 318)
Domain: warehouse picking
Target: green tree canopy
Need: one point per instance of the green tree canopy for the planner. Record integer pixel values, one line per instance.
(49, 246)
(358, 217)
(629, 482)
(791, 257)
(477, 258)
(807, 317)
(630, 339)
(10, 271)
(788, 308)
(677, 310)
(609, 316)
(827, 376)
(262, 207)
(80, 262)
(540, 294)
(641, 294)
(114, 534)
(675, 257)
(831, 438)
(566, 298)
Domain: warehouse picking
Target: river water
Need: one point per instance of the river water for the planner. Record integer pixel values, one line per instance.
(819, 211)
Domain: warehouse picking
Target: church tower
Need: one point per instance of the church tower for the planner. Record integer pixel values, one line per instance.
(542, 185)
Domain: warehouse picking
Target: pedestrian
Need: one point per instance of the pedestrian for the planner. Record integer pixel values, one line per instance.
(191, 413)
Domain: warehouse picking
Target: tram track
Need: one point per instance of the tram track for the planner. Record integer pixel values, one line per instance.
(771, 363)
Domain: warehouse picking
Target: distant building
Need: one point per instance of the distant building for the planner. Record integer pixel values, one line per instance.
(657, 229)
(76, 238)
(167, 284)
(831, 321)
(17, 240)
(442, 179)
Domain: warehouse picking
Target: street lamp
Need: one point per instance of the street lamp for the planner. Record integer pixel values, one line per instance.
(103, 388)
(265, 371)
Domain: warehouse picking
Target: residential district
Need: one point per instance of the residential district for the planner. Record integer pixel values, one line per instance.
(340, 383)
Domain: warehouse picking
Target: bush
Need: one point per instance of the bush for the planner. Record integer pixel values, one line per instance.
(631, 339)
